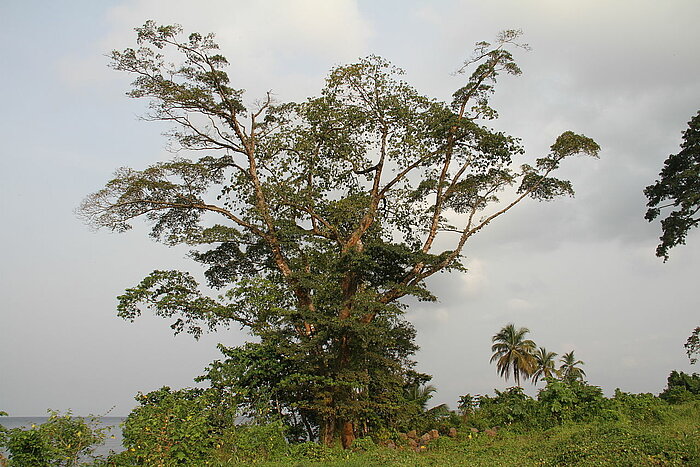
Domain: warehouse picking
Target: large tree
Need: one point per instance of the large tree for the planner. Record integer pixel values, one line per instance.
(677, 190)
(315, 219)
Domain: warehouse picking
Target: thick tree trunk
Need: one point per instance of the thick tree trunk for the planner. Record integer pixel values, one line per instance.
(348, 435)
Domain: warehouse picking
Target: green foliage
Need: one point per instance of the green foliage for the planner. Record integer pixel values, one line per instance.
(253, 443)
(363, 445)
(174, 427)
(681, 387)
(513, 353)
(678, 188)
(315, 219)
(572, 400)
(544, 365)
(569, 369)
(672, 441)
(62, 440)
(312, 452)
(644, 408)
(508, 407)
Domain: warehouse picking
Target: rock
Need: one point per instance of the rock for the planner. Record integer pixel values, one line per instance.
(412, 443)
(490, 432)
(452, 433)
(425, 439)
(390, 444)
(474, 430)
(434, 434)
(412, 434)
(403, 436)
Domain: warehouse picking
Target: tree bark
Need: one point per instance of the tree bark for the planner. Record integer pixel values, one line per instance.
(327, 431)
(347, 435)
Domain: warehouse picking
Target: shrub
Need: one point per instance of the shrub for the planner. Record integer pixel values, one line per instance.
(640, 407)
(681, 387)
(363, 445)
(171, 427)
(511, 406)
(572, 400)
(62, 440)
(312, 451)
(252, 443)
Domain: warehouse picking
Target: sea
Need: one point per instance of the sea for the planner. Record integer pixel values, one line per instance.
(113, 441)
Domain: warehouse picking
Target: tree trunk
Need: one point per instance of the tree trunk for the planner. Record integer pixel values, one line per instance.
(307, 425)
(348, 435)
(327, 431)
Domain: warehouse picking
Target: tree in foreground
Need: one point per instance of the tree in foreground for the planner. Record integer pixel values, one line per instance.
(678, 189)
(544, 365)
(570, 368)
(513, 353)
(315, 219)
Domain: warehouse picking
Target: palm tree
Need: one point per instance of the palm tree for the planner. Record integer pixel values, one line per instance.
(513, 353)
(568, 371)
(545, 365)
(420, 395)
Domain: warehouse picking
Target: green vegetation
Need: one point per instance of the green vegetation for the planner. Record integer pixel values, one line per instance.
(513, 353)
(316, 220)
(677, 188)
(63, 440)
(673, 441)
(570, 422)
(313, 221)
(522, 358)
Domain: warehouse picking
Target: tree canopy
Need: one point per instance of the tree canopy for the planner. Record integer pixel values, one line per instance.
(314, 219)
(677, 190)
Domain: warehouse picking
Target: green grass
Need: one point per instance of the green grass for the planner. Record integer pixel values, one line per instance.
(674, 440)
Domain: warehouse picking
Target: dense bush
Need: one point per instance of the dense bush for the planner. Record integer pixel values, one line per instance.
(508, 407)
(253, 443)
(640, 407)
(172, 427)
(681, 387)
(61, 441)
(572, 400)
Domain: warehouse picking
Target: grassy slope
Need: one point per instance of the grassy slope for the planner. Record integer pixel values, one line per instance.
(673, 441)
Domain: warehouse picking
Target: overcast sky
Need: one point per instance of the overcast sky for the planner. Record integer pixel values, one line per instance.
(580, 273)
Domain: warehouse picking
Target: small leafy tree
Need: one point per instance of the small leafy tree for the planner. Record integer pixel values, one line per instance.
(315, 219)
(678, 189)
